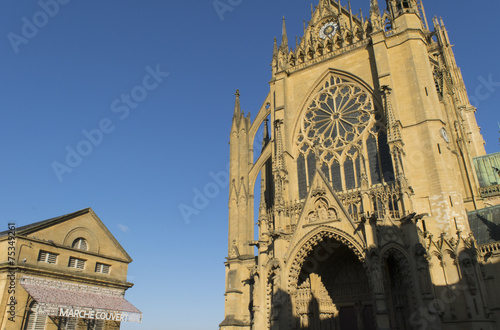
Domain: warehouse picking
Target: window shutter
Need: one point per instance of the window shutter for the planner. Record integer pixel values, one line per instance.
(35, 321)
(51, 258)
(42, 256)
(47, 257)
(102, 268)
(76, 263)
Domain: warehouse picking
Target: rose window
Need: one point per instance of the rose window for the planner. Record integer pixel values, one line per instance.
(342, 133)
(337, 117)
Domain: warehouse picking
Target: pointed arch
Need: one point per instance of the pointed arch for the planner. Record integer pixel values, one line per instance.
(310, 241)
(317, 86)
(399, 286)
(340, 118)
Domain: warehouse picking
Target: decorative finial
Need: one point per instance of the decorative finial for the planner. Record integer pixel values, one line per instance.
(237, 109)
(284, 38)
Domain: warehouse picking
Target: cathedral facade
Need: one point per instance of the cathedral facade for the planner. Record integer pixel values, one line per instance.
(364, 184)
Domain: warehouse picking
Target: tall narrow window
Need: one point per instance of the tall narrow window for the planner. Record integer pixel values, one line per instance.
(336, 176)
(350, 183)
(372, 149)
(35, 321)
(385, 158)
(311, 167)
(301, 172)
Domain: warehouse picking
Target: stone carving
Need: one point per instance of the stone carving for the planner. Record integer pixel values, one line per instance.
(322, 212)
(234, 251)
(469, 274)
(376, 273)
(422, 269)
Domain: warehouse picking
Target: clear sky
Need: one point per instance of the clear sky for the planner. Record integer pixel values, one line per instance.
(61, 87)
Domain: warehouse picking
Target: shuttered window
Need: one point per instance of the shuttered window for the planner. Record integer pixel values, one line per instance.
(35, 321)
(80, 243)
(98, 325)
(47, 257)
(68, 323)
(102, 268)
(76, 263)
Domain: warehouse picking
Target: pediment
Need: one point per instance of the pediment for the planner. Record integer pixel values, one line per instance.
(323, 207)
(64, 230)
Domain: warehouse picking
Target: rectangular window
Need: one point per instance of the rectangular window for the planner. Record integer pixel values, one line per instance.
(76, 263)
(102, 268)
(48, 257)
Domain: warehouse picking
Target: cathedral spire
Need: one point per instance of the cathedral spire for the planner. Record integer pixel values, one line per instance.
(284, 38)
(424, 15)
(350, 15)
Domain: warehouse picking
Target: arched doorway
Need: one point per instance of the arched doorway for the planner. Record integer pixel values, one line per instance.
(398, 288)
(333, 290)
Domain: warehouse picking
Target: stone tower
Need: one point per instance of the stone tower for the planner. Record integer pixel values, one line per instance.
(363, 182)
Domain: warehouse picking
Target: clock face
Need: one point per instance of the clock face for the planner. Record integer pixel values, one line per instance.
(444, 134)
(328, 30)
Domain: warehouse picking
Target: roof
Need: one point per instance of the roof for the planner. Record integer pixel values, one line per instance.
(485, 224)
(488, 169)
(34, 227)
(46, 223)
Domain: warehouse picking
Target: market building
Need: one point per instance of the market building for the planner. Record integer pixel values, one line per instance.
(375, 201)
(68, 272)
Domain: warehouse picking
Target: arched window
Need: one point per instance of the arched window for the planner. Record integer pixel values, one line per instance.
(35, 321)
(343, 133)
(80, 243)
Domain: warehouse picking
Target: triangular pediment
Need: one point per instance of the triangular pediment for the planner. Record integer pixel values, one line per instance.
(323, 208)
(63, 230)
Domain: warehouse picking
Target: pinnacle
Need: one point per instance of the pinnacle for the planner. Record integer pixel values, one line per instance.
(237, 109)
(284, 38)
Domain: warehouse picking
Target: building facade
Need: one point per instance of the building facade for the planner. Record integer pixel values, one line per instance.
(364, 185)
(64, 273)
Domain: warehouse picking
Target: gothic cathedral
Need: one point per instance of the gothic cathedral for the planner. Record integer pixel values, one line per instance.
(364, 183)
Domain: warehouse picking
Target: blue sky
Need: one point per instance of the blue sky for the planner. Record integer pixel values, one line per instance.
(67, 80)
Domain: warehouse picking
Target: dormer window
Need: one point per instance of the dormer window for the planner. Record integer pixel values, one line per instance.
(80, 244)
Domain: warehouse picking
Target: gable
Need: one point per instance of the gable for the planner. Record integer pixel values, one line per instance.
(64, 230)
(323, 208)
